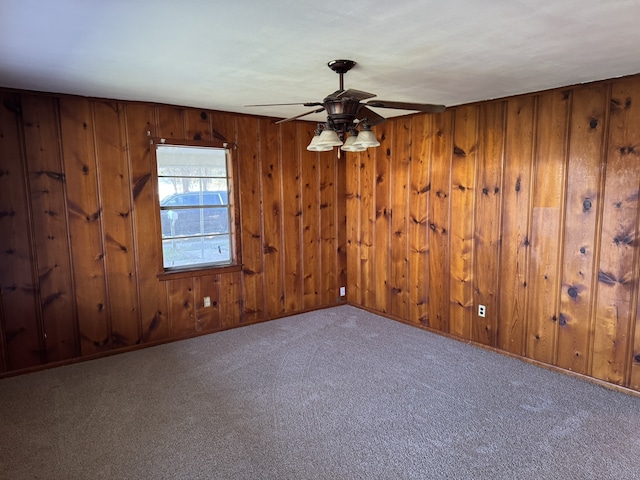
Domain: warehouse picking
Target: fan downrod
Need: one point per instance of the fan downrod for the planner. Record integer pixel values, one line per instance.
(341, 67)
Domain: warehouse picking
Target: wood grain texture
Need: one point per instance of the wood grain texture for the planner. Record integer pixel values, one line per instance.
(419, 186)
(367, 228)
(439, 227)
(152, 294)
(399, 247)
(615, 313)
(461, 238)
(516, 198)
(22, 337)
(181, 301)
(586, 140)
(546, 227)
(311, 241)
(248, 158)
(291, 217)
(354, 239)
(207, 319)
(85, 223)
(328, 226)
(552, 217)
(47, 181)
(118, 241)
(488, 213)
(272, 218)
(382, 225)
(100, 234)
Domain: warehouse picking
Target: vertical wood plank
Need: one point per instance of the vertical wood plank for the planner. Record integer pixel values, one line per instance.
(516, 196)
(272, 218)
(50, 229)
(328, 226)
(546, 227)
(85, 217)
(586, 138)
(115, 194)
(368, 221)
(207, 318)
(311, 266)
(382, 225)
(197, 124)
(340, 176)
(354, 223)
(399, 258)
(461, 241)
(251, 206)
(294, 250)
(230, 299)
(171, 122)
(181, 306)
(152, 297)
(439, 208)
(618, 247)
(421, 138)
(21, 324)
(487, 221)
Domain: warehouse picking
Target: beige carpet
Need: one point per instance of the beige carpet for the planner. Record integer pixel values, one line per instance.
(334, 394)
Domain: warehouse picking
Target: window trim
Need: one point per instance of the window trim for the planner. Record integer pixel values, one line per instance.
(234, 210)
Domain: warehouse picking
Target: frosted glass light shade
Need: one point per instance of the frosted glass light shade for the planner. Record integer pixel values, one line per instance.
(367, 139)
(329, 137)
(350, 145)
(314, 145)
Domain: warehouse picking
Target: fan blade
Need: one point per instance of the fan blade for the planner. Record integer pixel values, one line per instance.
(306, 104)
(301, 115)
(355, 94)
(421, 107)
(371, 117)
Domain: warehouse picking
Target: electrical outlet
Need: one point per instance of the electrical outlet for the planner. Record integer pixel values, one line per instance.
(207, 302)
(482, 311)
(343, 291)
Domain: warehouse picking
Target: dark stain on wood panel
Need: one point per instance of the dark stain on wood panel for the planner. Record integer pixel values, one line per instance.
(617, 270)
(516, 197)
(439, 217)
(488, 208)
(461, 241)
(50, 229)
(78, 149)
(21, 336)
(418, 229)
(586, 139)
(122, 282)
(249, 160)
(152, 303)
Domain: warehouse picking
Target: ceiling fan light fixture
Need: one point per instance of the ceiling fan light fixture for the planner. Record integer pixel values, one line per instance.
(314, 144)
(366, 138)
(329, 138)
(349, 144)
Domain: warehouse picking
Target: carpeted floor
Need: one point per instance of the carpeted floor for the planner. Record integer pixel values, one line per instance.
(334, 394)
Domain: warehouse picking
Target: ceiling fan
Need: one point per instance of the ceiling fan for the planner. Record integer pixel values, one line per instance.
(346, 111)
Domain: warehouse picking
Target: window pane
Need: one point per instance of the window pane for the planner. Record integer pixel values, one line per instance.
(182, 161)
(194, 221)
(187, 191)
(182, 252)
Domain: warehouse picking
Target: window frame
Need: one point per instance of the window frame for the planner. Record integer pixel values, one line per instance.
(233, 198)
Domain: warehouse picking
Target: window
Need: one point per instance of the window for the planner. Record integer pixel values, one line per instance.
(196, 206)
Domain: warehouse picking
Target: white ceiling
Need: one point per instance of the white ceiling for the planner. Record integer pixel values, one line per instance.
(224, 54)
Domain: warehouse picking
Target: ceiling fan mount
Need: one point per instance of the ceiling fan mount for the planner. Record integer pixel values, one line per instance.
(346, 110)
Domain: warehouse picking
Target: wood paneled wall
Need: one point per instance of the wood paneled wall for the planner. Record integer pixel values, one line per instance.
(527, 205)
(78, 259)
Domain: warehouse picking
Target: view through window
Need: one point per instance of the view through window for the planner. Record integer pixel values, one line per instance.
(193, 187)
